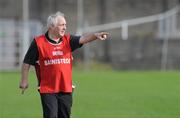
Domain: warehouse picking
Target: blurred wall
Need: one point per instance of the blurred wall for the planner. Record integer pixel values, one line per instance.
(141, 51)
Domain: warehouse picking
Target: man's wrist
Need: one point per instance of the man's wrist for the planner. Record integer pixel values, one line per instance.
(96, 35)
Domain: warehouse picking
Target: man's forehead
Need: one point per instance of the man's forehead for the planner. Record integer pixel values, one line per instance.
(61, 18)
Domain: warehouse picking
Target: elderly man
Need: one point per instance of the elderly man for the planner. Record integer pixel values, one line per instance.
(51, 55)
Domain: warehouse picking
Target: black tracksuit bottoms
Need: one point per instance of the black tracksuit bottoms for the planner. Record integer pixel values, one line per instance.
(56, 105)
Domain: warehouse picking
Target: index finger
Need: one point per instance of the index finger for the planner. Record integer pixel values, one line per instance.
(22, 92)
(105, 33)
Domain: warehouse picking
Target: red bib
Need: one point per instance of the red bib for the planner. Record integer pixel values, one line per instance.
(54, 70)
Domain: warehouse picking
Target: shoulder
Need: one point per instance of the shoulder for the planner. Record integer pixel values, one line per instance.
(39, 37)
(67, 36)
(74, 37)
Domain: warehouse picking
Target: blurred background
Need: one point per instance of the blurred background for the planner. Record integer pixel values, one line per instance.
(144, 34)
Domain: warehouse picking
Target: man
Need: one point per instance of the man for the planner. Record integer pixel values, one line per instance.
(51, 54)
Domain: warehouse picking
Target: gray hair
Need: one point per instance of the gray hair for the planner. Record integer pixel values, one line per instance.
(52, 19)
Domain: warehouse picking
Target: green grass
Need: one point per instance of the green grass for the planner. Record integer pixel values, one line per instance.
(98, 94)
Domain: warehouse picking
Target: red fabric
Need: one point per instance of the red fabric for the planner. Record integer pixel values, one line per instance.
(55, 65)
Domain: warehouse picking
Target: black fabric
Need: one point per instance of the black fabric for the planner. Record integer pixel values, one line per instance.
(74, 42)
(57, 105)
(32, 54)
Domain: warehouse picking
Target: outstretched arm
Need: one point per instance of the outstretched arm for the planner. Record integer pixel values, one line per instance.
(93, 36)
(24, 77)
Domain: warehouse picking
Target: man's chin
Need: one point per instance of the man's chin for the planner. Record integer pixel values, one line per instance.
(61, 35)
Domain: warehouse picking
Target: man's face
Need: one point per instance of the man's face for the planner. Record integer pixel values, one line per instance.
(60, 27)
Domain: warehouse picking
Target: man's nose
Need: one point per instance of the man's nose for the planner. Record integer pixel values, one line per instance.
(64, 27)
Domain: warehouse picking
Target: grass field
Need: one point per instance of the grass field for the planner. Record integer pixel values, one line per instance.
(109, 94)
